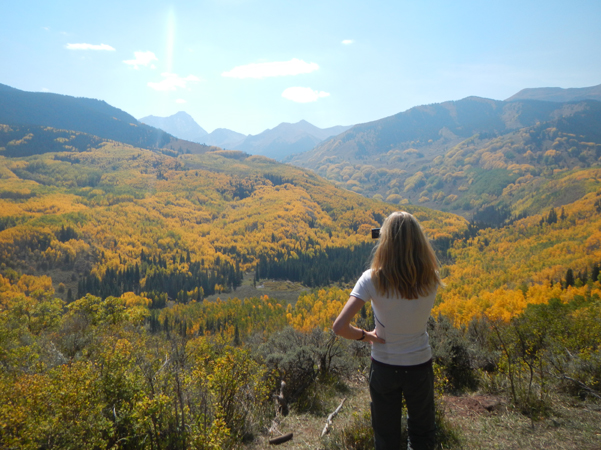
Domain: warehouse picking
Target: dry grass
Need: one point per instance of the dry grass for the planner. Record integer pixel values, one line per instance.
(571, 425)
(482, 422)
(307, 428)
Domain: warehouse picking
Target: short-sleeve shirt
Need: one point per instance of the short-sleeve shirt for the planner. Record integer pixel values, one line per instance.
(400, 322)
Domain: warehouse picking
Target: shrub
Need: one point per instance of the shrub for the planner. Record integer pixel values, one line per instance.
(454, 354)
(304, 361)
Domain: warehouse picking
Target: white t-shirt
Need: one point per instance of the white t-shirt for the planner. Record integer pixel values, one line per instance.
(400, 322)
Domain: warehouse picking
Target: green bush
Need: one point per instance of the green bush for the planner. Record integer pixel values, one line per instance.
(454, 353)
(305, 361)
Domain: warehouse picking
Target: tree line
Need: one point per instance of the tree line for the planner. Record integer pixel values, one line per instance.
(178, 279)
(334, 265)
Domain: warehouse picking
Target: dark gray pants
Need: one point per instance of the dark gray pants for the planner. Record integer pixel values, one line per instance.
(387, 386)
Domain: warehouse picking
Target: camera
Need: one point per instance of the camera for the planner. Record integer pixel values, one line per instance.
(375, 233)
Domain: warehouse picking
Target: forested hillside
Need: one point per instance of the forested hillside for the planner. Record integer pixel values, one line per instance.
(464, 156)
(79, 114)
(498, 272)
(105, 213)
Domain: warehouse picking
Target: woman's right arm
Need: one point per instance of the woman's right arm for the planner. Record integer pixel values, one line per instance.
(342, 325)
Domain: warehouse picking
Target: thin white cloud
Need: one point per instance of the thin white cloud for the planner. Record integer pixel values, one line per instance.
(141, 59)
(303, 94)
(171, 82)
(89, 47)
(348, 42)
(180, 100)
(272, 69)
(44, 90)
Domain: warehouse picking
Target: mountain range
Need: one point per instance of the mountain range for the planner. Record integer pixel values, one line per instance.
(224, 138)
(84, 115)
(459, 156)
(555, 94)
(288, 139)
(278, 143)
(178, 132)
(180, 124)
(466, 155)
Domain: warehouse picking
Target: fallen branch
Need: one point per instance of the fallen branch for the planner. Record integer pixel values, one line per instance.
(330, 417)
(582, 385)
(280, 439)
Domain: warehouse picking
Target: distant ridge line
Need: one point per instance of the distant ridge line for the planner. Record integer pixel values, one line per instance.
(557, 94)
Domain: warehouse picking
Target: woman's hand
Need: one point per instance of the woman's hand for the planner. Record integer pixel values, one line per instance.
(372, 337)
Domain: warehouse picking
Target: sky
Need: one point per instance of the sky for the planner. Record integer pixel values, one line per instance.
(248, 65)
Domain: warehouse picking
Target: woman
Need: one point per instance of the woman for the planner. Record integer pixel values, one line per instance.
(401, 285)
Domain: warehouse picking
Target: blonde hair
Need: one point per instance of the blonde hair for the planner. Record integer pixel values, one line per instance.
(403, 261)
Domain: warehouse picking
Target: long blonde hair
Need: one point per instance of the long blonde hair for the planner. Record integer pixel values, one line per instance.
(403, 261)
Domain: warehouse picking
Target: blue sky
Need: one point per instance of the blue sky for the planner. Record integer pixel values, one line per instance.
(248, 65)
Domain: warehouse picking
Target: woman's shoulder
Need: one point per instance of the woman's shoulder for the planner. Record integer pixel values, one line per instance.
(364, 287)
(367, 274)
(366, 278)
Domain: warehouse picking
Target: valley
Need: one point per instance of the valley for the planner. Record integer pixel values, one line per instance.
(155, 292)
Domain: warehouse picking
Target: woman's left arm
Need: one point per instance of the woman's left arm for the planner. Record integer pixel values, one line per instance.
(342, 325)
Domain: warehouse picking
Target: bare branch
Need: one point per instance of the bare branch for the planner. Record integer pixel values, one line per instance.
(582, 385)
(330, 417)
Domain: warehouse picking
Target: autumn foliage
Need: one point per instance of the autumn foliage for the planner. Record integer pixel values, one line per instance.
(109, 252)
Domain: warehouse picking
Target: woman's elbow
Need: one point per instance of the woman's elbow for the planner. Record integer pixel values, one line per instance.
(337, 327)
